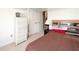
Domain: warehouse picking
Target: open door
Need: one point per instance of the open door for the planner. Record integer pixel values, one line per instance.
(21, 26)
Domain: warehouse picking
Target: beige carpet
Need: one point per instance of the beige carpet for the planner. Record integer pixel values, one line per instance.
(22, 46)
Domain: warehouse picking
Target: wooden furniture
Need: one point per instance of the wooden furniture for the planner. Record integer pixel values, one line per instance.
(72, 27)
(45, 26)
(72, 21)
(46, 29)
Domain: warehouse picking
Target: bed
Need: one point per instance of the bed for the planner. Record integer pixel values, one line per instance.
(54, 41)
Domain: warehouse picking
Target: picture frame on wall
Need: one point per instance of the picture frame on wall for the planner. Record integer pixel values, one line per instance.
(18, 14)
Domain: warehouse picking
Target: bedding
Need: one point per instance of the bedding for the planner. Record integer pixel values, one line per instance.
(54, 41)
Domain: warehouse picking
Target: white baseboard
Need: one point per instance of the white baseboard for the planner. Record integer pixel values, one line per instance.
(4, 44)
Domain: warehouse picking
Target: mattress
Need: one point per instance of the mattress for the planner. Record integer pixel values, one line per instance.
(54, 41)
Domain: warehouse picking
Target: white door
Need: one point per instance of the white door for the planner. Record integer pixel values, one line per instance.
(34, 26)
(34, 21)
(21, 27)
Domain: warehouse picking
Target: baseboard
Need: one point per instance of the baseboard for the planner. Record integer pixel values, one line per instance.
(4, 44)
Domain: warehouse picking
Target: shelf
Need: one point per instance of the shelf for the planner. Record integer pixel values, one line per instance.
(72, 21)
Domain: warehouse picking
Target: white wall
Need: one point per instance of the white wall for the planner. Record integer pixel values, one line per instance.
(6, 26)
(63, 13)
(7, 23)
